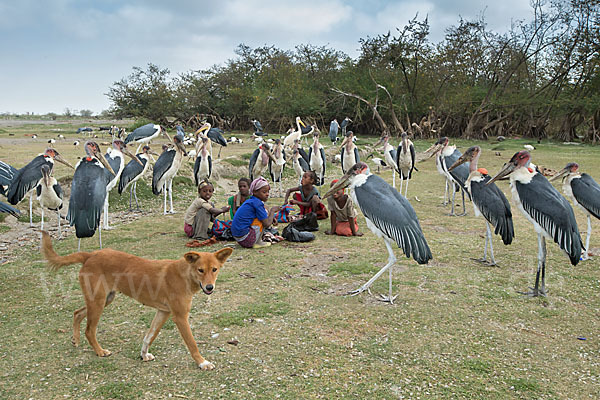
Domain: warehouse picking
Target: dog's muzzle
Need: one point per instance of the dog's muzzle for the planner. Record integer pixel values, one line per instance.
(208, 289)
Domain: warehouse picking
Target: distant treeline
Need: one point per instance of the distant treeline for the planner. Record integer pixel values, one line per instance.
(542, 79)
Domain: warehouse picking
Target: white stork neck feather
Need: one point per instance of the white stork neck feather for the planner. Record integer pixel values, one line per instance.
(523, 175)
(448, 150)
(358, 180)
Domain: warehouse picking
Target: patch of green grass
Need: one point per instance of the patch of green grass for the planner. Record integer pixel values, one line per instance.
(479, 366)
(118, 390)
(524, 385)
(4, 228)
(3, 217)
(247, 312)
(348, 268)
(247, 156)
(36, 219)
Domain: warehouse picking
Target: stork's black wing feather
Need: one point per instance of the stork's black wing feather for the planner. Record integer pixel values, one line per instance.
(392, 214)
(542, 202)
(88, 192)
(253, 160)
(324, 163)
(303, 155)
(7, 173)
(495, 207)
(115, 164)
(58, 190)
(141, 133)
(161, 166)
(26, 179)
(333, 131)
(5, 208)
(197, 168)
(356, 155)
(216, 135)
(413, 156)
(587, 193)
(131, 170)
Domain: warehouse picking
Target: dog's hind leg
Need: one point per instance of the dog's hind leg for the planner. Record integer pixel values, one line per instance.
(95, 306)
(78, 316)
(159, 320)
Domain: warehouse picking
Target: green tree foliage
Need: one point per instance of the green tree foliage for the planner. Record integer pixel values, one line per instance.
(540, 79)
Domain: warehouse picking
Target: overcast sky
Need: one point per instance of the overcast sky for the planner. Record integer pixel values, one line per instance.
(58, 54)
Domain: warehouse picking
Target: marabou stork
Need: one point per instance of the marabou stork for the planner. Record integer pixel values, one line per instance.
(316, 158)
(166, 168)
(349, 152)
(115, 157)
(298, 162)
(549, 212)
(7, 173)
(487, 200)
(334, 127)
(389, 215)
(214, 134)
(294, 135)
(144, 134)
(258, 129)
(6, 209)
(277, 164)
(446, 157)
(133, 171)
(26, 179)
(203, 163)
(88, 192)
(344, 125)
(389, 155)
(49, 194)
(584, 192)
(259, 161)
(405, 160)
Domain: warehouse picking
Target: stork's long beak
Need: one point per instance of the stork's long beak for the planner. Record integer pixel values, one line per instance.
(559, 174)
(167, 135)
(302, 123)
(506, 170)
(133, 157)
(343, 183)
(201, 129)
(181, 147)
(60, 159)
(100, 157)
(458, 162)
(434, 148)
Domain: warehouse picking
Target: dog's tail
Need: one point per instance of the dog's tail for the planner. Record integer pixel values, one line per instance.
(54, 260)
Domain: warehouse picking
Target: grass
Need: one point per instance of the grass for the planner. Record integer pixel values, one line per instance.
(457, 330)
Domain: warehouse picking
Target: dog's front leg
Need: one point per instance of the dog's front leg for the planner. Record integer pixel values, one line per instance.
(183, 325)
(159, 320)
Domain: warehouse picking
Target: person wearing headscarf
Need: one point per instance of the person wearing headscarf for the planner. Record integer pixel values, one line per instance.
(200, 214)
(343, 214)
(252, 217)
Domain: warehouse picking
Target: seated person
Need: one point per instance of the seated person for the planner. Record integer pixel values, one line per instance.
(242, 195)
(252, 218)
(307, 198)
(201, 213)
(343, 214)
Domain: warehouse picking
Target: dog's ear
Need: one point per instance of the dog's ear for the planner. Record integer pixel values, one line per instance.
(191, 257)
(223, 254)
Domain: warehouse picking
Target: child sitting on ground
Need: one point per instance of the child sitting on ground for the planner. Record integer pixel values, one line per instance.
(252, 218)
(343, 214)
(241, 196)
(201, 213)
(307, 198)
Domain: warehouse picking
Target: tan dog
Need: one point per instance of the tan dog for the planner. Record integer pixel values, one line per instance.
(167, 285)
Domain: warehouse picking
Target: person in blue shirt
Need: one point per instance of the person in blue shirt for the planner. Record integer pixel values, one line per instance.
(252, 217)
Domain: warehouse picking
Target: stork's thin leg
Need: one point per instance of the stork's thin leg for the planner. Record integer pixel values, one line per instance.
(219, 155)
(393, 178)
(138, 149)
(165, 193)
(401, 183)
(587, 239)
(446, 197)
(488, 239)
(541, 269)
(100, 235)
(58, 215)
(464, 212)
(130, 195)
(30, 210)
(391, 261)
(406, 190)
(79, 245)
(453, 197)
(492, 259)
(171, 195)
(106, 213)
(137, 206)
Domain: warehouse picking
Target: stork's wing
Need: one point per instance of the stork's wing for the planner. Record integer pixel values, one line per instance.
(542, 202)
(7, 173)
(216, 135)
(6, 209)
(303, 164)
(258, 126)
(495, 207)
(393, 215)
(333, 131)
(342, 159)
(197, 168)
(88, 192)
(304, 155)
(26, 179)
(115, 164)
(356, 155)
(253, 160)
(131, 170)
(141, 133)
(58, 190)
(161, 166)
(460, 173)
(306, 129)
(309, 154)
(322, 150)
(413, 157)
(587, 193)
(209, 166)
